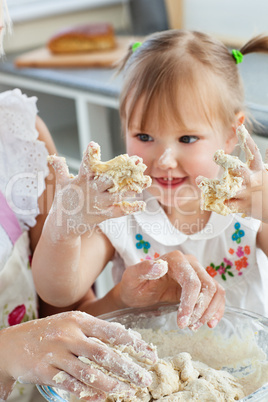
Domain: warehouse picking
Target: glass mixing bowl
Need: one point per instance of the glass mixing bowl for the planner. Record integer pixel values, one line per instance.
(238, 344)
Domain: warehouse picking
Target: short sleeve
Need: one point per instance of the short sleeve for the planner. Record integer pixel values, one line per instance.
(23, 158)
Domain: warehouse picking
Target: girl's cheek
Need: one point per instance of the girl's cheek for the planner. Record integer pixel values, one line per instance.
(135, 148)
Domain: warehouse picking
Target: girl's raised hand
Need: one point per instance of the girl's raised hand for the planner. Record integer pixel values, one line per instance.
(252, 199)
(175, 278)
(47, 351)
(85, 199)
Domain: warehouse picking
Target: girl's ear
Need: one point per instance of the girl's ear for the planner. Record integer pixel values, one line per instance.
(232, 140)
(239, 119)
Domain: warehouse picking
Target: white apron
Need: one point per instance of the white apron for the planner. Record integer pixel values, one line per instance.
(18, 300)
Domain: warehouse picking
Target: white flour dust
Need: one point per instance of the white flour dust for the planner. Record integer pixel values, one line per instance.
(200, 367)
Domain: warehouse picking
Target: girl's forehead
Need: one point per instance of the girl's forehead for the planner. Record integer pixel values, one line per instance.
(185, 113)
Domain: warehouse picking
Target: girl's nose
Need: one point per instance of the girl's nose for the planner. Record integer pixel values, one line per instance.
(167, 160)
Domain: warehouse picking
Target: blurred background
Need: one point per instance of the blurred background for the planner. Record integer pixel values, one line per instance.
(35, 21)
(233, 21)
(81, 104)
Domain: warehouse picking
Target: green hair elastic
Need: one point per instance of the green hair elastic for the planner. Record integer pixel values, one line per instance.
(135, 46)
(237, 55)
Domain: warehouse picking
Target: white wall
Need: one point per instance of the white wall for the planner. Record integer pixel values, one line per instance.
(233, 20)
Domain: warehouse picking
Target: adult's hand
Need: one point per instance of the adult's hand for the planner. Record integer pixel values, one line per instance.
(47, 351)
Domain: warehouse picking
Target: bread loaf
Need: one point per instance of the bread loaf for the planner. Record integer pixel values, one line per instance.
(83, 38)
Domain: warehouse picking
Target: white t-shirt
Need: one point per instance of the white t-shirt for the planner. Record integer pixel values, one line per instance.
(226, 248)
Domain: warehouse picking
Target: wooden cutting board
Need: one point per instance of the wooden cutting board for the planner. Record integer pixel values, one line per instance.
(43, 58)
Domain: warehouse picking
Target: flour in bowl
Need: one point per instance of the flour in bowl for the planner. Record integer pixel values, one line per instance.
(199, 367)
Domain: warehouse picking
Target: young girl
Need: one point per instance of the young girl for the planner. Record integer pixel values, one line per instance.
(181, 101)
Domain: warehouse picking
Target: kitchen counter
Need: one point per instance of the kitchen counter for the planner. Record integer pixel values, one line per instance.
(99, 81)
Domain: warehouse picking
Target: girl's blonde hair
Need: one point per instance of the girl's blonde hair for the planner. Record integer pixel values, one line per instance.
(177, 65)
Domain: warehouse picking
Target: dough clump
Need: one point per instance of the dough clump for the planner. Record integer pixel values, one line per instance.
(214, 192)
(178, 378)
(125, 171)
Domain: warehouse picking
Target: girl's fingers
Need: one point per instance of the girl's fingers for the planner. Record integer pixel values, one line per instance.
(208, 289)
(237, 206)
(60, 167)
(182, 272)
(256, 163)
(91, 153)
(215, 310)
(199, 179)
(153, 270)
(147, 270)
(201, 296)
(243, 172)
(102, 183)
(130, 207)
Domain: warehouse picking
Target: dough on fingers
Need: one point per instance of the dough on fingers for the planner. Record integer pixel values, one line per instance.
(214, 192)
(126, 172)
(179, 378)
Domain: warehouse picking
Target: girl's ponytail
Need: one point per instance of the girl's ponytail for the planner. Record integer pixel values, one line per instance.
(257, 44)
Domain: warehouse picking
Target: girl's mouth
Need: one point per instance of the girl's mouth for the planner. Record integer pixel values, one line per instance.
(169, 181)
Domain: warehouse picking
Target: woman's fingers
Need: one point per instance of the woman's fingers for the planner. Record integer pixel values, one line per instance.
(64, 352)
(65, 381)
(117, 335)
(111, 360)
(99, 336)
(96, 376)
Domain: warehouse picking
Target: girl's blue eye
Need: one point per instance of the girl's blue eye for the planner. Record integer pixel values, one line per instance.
(188, 139)
(144, 137)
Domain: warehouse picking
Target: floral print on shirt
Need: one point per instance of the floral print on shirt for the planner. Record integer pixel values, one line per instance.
(145, 246)
(238, 234)
(237, 260)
